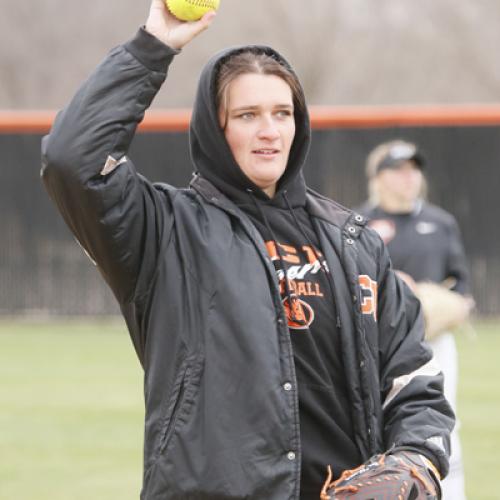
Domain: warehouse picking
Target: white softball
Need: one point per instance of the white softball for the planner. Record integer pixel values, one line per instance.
(191, 10)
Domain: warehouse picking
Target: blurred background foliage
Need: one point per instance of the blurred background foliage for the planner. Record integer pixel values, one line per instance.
(345, 51)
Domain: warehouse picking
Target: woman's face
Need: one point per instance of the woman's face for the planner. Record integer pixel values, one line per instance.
(403, 184)
(259, 127)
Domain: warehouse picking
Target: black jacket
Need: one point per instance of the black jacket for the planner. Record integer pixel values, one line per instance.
(424, 243)
(201, 301)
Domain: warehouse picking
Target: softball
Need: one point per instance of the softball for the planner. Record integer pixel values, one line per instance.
(191, 10)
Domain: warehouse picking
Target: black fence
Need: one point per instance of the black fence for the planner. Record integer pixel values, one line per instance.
(43, 270)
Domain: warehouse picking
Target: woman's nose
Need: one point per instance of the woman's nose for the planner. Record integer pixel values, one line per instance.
(268, 129)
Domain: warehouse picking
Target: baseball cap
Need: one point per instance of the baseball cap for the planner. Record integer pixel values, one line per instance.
(393, 154)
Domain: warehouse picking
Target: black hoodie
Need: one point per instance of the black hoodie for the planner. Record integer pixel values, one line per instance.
(284, 224)
(211, 154)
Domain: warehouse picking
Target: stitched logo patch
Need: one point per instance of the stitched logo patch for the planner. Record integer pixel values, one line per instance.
(369, 295)
(385, 228)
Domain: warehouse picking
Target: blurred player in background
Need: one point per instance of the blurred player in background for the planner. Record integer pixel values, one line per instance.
(426, 249)
(265, 316)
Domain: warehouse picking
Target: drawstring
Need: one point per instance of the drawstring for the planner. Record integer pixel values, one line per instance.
(322, 264)
(290, 297)
(302, 230)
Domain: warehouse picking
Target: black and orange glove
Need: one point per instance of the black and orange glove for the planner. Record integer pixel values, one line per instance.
(403, 475)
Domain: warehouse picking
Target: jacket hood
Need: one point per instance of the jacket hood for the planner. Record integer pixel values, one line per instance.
(210, 151)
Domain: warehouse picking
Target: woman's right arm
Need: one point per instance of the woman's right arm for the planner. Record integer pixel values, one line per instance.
(115, 214)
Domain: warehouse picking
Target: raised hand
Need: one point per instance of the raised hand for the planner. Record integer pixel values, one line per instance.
(172, 32)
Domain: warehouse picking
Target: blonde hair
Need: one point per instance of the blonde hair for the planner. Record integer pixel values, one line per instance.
(373, 161)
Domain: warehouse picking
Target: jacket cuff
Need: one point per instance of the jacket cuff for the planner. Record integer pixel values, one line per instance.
(442, 469)
(151, 52)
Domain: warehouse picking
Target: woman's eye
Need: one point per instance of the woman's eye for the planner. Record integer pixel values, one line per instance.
(246, 116)
(284, 113)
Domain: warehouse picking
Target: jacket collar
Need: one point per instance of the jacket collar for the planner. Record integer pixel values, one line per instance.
(316, 205)
(211, 194)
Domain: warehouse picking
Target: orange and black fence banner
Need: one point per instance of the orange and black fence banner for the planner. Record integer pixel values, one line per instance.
(322, 117)
(42, 270)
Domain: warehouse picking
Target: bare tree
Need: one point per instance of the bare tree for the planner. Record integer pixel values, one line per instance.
(345, 51)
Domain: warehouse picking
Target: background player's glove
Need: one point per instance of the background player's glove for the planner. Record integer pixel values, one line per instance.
(443, 309)
(403, 475)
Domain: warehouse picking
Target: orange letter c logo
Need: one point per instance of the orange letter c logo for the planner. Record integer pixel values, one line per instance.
(369, 300)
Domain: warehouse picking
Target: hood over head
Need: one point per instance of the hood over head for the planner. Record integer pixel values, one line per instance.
(210, 151)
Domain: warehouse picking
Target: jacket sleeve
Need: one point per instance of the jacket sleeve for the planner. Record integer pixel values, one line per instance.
(116, 215)
(415, 412)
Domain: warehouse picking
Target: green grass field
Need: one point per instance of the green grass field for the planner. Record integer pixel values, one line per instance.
(71, 411)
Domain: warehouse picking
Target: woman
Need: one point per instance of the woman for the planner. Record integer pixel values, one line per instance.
(426, 248)
(251, 302)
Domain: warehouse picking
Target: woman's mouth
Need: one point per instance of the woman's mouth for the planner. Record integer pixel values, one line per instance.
(266, 151)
